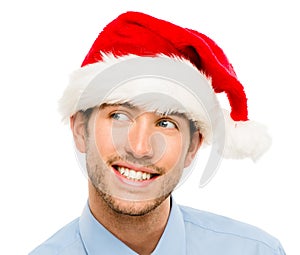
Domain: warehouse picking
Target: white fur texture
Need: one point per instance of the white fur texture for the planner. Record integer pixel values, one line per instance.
(71, 101)
(245, 139)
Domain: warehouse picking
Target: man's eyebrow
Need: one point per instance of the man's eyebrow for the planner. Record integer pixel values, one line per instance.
(126, 104)
(174, 113)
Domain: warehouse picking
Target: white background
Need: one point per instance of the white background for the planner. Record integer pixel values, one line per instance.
(41, 185)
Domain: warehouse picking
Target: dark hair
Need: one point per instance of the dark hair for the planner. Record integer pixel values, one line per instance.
(193, 127)
(86, 115)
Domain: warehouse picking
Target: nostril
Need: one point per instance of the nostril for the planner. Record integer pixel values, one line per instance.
(139, 146)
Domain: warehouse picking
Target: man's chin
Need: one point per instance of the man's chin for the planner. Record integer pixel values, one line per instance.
(133, 208)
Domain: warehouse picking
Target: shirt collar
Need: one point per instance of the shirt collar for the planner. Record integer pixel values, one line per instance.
(98, 240)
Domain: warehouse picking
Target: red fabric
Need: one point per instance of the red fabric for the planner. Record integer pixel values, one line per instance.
(143, 35)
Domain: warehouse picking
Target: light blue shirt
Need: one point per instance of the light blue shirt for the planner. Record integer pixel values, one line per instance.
(188, 231)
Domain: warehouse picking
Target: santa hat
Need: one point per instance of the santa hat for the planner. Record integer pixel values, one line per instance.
(134, 35)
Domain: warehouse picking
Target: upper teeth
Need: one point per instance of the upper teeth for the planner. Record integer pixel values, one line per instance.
(133, 175)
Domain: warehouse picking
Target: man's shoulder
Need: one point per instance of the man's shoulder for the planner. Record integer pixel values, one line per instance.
(225, 228)
(62, 242)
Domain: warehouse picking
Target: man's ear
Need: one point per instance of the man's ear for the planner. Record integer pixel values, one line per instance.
(195, 144)
(77, 125)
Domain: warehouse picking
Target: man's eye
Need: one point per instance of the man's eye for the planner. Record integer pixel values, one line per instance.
(119, 116)
(166, 124)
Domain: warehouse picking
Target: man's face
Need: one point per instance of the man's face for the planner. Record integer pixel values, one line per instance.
(135, 158)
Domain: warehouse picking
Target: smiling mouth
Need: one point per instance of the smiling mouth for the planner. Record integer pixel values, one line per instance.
(131, 174)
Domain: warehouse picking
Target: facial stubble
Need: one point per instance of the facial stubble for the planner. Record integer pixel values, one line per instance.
(122, 206)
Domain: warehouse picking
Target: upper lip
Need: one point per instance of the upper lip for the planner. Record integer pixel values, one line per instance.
(135, 167)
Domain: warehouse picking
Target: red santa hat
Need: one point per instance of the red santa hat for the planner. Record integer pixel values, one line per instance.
(137, 35)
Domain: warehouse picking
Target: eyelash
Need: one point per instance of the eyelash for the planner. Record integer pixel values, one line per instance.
(114, 114)
(168, 120)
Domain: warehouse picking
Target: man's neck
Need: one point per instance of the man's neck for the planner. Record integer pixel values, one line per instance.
(140, 233)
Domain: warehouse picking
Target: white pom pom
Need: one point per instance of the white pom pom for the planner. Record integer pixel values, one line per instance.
(245, 139)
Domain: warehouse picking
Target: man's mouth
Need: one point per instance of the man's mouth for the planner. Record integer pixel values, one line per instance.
(134, 175)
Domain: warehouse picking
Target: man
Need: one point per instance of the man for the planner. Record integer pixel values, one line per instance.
(140, 107)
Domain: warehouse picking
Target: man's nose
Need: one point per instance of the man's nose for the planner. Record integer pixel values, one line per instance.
(140, 140)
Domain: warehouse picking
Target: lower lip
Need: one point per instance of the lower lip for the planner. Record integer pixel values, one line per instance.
(123, 179)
